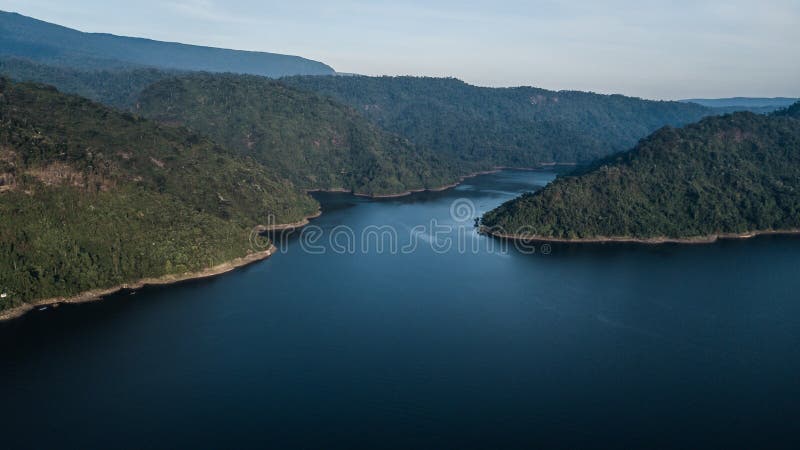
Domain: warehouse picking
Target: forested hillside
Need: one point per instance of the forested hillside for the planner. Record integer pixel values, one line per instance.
(313, 140)
(485, 127)
(468, 127)
(736, 173)
(90, 197)
(316, 142)
(119, 88)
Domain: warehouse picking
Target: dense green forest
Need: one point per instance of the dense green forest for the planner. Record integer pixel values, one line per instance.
(119, 88)
(91, 197)
(486, 127)
(729, 174)
(311, 139)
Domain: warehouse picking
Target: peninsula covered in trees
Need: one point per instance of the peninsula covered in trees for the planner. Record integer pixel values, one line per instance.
(731, 175)
(92, 198)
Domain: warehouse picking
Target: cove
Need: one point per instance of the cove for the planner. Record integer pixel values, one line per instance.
(668, 346)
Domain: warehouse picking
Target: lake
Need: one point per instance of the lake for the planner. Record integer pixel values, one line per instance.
(392, 324)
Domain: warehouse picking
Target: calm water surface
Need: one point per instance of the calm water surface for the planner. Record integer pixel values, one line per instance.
(593, 345)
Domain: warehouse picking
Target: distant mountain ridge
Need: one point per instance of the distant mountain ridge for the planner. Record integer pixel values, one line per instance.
(743, 101)
(45, 42)
(761, 105)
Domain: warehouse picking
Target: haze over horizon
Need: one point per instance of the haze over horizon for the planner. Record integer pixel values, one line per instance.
(643, 48)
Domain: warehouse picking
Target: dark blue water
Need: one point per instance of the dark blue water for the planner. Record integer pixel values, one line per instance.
(591, 345)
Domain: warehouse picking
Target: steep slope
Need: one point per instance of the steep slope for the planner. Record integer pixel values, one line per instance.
(485, 127)
(314, 141)
(737, 173)
(45, 42)
(91, 198)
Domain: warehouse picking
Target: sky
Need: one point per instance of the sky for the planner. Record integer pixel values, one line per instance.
(652, 49)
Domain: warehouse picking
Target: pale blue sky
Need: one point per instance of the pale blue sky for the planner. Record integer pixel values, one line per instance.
(652, 49)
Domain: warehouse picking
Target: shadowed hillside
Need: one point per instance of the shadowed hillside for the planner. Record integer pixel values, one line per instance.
(313, 140)
(522, 126)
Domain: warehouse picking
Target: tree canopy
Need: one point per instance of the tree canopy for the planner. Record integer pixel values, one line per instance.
(91, 197)
(736, 173)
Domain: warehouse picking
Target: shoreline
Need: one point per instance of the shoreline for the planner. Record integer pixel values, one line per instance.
(99, 294)
(228, 266)
(288, 226)
(709, 239)
(410, 191)
(433, 189)
(445, 187)
(94, 295)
